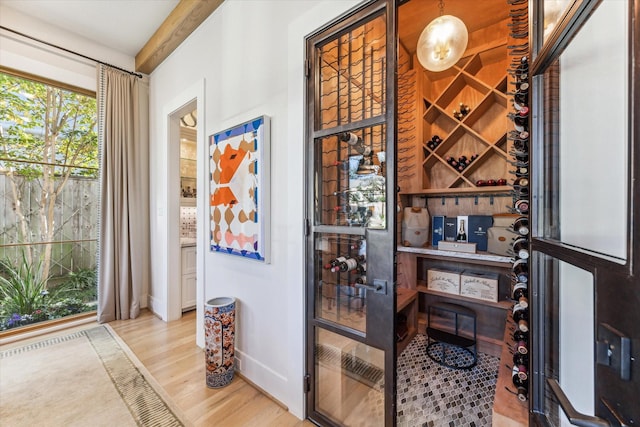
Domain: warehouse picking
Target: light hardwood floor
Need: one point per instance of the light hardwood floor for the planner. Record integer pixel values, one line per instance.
(169, 352)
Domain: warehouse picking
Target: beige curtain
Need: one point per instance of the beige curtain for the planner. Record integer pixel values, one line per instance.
(123, 248)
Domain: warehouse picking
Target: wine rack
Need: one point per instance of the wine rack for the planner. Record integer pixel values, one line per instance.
(478, 85)
(339, 299)
(350, 166)
(513, 385)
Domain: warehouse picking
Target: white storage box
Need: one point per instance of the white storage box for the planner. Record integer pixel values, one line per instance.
(442, 280)
(457, 247)
(483, 286)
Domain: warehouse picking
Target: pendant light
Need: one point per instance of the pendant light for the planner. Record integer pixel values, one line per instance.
(442, 42)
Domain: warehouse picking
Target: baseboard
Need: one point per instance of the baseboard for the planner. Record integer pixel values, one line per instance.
(263, 391)
(262, 378)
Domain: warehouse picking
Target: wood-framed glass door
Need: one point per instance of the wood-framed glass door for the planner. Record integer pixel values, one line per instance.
(350, 187)
(585, 79)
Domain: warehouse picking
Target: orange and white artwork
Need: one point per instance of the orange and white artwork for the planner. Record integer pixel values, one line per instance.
(239, 177)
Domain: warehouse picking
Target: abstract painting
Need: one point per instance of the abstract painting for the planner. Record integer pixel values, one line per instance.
(239, 190)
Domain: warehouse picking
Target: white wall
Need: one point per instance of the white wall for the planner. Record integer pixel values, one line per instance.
(250, 56)
(36, 58)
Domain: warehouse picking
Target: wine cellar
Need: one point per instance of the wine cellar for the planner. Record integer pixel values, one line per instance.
(461, 163)
(448, 153)
(463, 157)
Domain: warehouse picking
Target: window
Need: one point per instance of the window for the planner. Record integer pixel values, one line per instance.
(49, 193)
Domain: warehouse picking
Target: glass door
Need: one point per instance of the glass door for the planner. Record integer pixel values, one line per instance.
(351, 219)
(584, 246)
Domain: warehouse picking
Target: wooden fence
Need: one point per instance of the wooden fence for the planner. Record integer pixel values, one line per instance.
(75, 223)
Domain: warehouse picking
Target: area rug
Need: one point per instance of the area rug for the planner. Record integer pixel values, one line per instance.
(86, 378)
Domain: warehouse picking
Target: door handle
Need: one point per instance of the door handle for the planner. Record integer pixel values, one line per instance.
(576, 418)
(378, 286)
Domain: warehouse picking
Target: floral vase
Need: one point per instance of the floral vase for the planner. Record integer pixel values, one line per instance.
(219, 333)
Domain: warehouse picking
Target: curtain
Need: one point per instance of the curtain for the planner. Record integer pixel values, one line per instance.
(123, 246)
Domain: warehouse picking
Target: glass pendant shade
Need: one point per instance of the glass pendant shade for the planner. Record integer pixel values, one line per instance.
(442, 43)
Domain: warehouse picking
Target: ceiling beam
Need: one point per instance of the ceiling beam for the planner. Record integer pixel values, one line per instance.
(180, 23)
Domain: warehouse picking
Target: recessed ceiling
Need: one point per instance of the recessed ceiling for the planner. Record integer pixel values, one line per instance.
(123, 25)
(414, 15)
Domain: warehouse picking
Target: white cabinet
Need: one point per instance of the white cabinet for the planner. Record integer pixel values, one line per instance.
(188, 277)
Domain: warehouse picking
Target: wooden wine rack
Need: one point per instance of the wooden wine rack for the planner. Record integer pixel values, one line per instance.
(478, 80)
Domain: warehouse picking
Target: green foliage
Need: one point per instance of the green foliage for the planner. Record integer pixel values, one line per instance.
(25, 300)
(67, 307)
(22, 287)
(47, 124)
(82, 284)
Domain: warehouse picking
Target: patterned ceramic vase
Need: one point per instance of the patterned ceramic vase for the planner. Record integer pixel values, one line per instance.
(219, 332)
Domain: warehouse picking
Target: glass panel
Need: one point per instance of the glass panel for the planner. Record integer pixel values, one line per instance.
(553, 11)
(570, 342)
(350, 380)
(352, 75)
(351, 184)
(45, 203)
(341, 265)
(587, 132)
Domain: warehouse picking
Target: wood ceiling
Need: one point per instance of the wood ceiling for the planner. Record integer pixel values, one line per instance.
(414, 15)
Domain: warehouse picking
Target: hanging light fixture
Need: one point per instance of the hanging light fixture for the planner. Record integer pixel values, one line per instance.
(442, 42)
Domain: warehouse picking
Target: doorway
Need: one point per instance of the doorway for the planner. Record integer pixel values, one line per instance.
(188, 209)
(182, 211)
(350, 218)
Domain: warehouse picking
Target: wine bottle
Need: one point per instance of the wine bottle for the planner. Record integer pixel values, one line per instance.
(521, 225)
(521, 124)
(522, 206)
(521, 346)
(521, 85)
(350, 138)
(521, 358)
(520, 290)
(520, 371)
(521, 171)
(520, 294)
(334, 262)
(521, 248)
(522, 386)
(462, 234)
(521, 145)
(519, 335)
(521, 182)
(520, 270)
(348, 264)
(521, 317)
